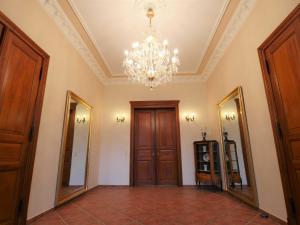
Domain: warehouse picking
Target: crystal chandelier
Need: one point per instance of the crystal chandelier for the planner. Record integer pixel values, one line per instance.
(151, 63)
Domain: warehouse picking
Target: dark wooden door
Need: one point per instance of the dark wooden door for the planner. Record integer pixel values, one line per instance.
(69, 146)
(155, 147)
(282, 78)
(166, 147)
(144, 145)
(20, 68)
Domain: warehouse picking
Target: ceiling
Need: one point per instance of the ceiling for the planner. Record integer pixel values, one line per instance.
(113, 25)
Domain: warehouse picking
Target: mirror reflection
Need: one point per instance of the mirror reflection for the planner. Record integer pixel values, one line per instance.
(75, 145)
(236, 147)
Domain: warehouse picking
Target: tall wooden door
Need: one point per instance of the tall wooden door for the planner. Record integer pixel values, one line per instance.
(155, 147)
(19, 81)
(166, 147)
(144, 147)
(280, 56)
(21, 94)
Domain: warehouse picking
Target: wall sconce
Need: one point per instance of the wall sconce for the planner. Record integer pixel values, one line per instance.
(80, 119)
(120, 119)
(230, 116)
(189, 117)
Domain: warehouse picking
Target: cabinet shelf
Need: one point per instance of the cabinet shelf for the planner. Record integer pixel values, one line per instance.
(203, 171)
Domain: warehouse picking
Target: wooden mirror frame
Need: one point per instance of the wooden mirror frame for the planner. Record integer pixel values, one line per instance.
(253, 198)
(59, 201)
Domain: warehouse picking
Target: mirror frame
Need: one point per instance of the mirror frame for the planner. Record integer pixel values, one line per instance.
(253, 199)
(58, 201)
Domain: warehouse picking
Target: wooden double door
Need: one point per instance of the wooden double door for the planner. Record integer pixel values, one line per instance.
(156, 147)
(280, 59)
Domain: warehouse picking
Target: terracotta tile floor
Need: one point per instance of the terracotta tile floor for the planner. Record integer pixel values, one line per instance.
(153, 206)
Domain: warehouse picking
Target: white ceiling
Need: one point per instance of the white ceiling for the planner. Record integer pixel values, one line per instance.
(114, 24)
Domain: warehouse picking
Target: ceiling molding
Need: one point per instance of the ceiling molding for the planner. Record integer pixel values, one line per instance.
(70, 6)
(242, 12)
(214, 34)
(61, 19)
(58, 15)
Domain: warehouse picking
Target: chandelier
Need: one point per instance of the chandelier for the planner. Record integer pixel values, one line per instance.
(151, 62)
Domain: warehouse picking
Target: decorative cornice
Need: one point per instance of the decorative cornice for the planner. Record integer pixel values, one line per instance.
(63, 22)
(242, 12)
(58, 15)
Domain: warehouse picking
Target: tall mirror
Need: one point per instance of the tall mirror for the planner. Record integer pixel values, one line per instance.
(237, 157)
(73, 166)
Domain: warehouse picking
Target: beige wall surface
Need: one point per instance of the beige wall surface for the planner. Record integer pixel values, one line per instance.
(240, 67)
(67, 71)
(115, 138)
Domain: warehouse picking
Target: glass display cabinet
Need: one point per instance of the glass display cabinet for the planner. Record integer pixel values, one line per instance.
(232, 163)
(207, 164)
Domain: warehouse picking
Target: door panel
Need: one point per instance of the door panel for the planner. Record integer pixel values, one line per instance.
(19, 80)
(166, 147)
(283, 56)
(167, 155)
(10, 152)
(144, 129)
(167, 173)
(9, 187)
(19, 77)
(144, 172)
(285, 59)
(143, 147)
(166, 129)
(144, 154)
(295, 147)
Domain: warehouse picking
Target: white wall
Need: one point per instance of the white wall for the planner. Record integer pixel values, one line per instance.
(114, 155)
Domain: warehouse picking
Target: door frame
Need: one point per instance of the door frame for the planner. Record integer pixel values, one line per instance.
(172, 104)
(282, 159)
(29, 161)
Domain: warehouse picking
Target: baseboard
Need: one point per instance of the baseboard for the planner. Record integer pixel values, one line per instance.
(127, 185)
(35, 218)
(274, 218)
(113, 185)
